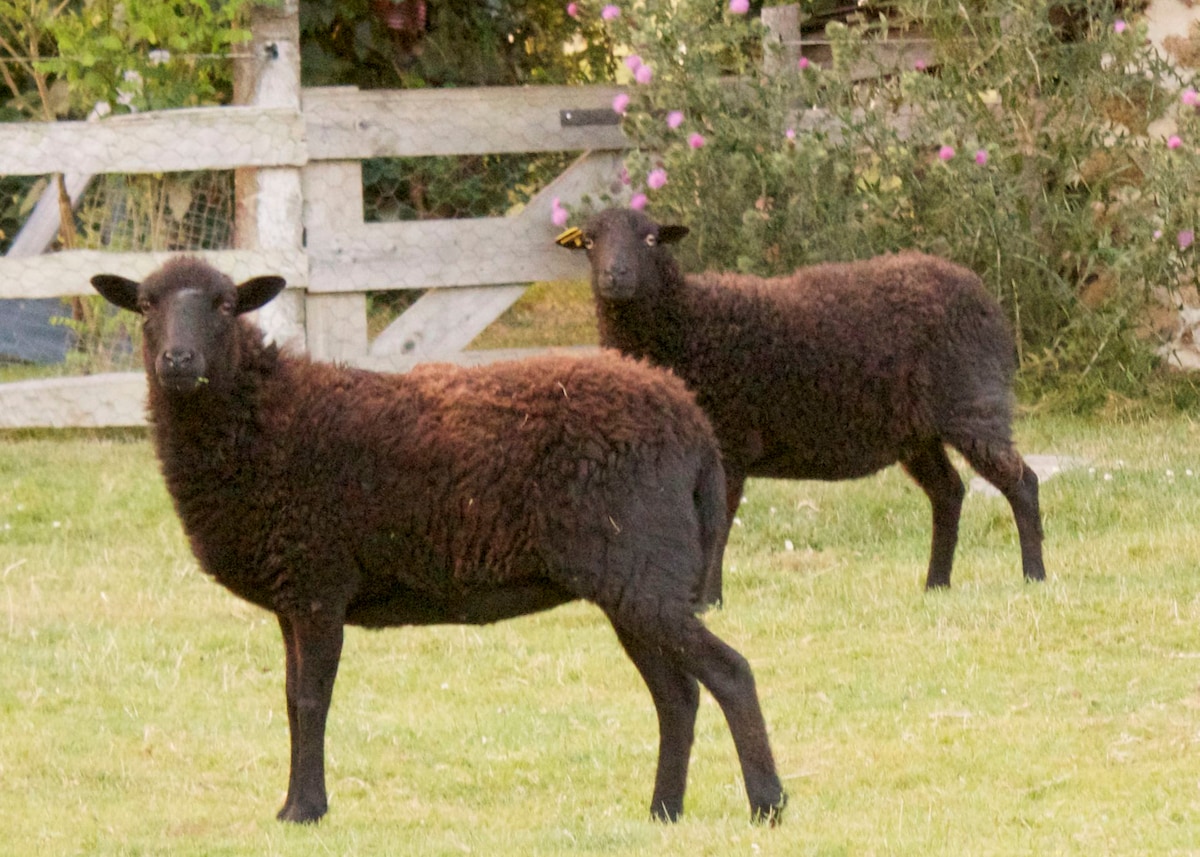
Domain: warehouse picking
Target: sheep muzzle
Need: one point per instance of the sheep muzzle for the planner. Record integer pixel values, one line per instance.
(615, 285)
(180, 371)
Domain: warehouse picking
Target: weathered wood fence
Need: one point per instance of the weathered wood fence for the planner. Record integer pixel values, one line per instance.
(298, 155)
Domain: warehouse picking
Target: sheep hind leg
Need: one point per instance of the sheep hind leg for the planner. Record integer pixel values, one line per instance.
(313, 650)
(735, 481)
(930, 467)
(676, 699)
(698, 652)
(1004, 468)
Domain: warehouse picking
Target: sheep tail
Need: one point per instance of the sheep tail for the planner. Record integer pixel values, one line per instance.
(714, 531)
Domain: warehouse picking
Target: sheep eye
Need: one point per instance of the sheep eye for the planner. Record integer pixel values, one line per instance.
(651, 240)
(588, 243)
(145, 305)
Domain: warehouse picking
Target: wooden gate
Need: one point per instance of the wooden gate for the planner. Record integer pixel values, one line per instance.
(298, 155)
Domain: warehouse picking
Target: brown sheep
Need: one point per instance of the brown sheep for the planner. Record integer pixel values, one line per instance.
(832, 372)
(333, 496)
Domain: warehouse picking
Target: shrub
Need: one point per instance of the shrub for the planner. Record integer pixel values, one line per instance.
(1031, 145)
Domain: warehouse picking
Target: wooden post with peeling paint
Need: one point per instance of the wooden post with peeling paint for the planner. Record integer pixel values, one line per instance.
(269, 200)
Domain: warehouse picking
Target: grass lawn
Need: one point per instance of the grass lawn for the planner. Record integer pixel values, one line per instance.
(141, 706)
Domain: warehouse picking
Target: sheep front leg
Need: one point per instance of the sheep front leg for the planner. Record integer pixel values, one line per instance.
(313, 648)
(676, 698)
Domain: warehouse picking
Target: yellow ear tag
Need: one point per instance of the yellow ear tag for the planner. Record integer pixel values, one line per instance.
(572, 238)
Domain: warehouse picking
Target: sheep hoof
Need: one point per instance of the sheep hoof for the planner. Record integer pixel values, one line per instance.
(770, 814)
(297, 814)
(937, 583)
(667, 815)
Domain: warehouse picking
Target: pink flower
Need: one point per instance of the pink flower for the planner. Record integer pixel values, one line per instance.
(657, 178)
(1118, 26)
(919, 65)
(558, 214)
(633, 62)
(981, 157)
(739, 7)
(643, 74)
(1185, 238)
(610, 12)
(802, 64)
(573, 10)
(946, 153)
(1173, 142)
(638, 201)
(696, 141)
(624, 176)
(1157, 234)
(1189, 97)
(674, 119)
(790, 133)
(620, 103)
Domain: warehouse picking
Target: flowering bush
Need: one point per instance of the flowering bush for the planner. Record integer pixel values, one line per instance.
(144, 54)
(1060, 162)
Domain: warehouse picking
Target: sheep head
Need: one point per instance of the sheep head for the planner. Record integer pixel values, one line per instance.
(625, 249)
(189, 312)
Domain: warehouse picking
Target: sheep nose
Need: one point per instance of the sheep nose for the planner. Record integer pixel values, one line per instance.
(178, 358)
(615, 275)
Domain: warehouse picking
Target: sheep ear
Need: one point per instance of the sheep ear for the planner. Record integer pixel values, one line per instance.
(671, 234)
(572, 239)
(118, 290)
(254, 293)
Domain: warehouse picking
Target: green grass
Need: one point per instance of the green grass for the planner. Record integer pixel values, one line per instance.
(141, 706)
(12, 371)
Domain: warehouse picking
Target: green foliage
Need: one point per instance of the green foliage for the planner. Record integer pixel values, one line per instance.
(145, 54)
(68, 59)
(17, 197)
(1022, 149)
(64, 58)
(466, 43)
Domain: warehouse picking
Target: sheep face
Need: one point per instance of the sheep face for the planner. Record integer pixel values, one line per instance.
(189, 315)
(624, 248)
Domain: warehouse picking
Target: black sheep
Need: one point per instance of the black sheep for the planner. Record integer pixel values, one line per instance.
(332, 496)
(832, 372)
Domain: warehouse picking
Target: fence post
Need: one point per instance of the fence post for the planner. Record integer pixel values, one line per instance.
(269, 201)
(336, 324)
(781, 41)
